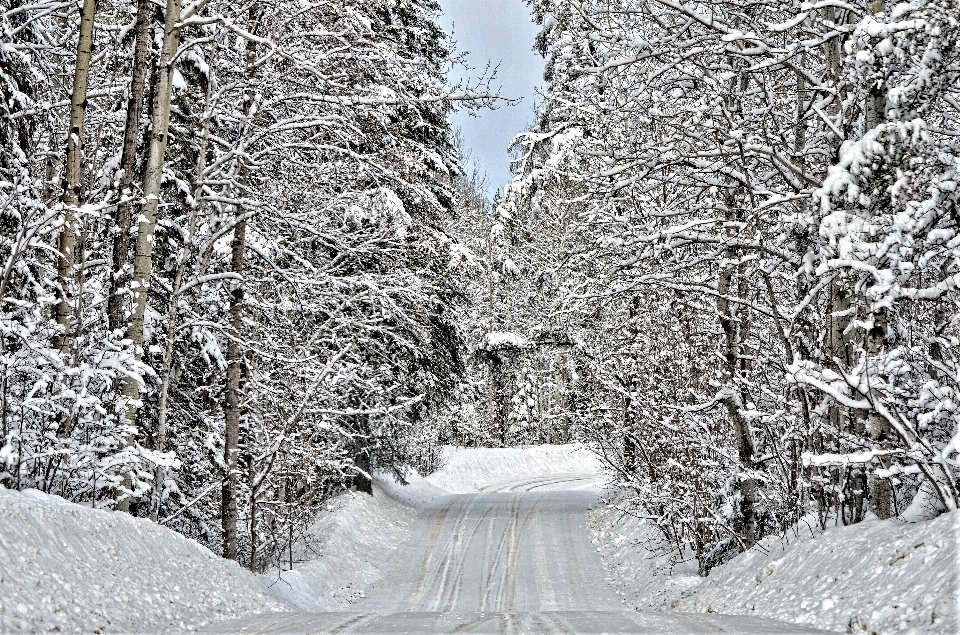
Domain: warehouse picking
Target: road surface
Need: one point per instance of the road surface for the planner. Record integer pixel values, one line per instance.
(516, 557)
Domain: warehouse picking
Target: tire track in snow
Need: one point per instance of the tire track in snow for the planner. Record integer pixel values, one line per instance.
(450, 559)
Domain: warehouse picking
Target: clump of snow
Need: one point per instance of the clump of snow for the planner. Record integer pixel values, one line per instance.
(349, 545)
(468, 470)
(874, 577)
(65, 567)
(497, 340)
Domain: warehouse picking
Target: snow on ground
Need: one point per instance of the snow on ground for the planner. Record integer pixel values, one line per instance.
(643, 569)
(875, 577)
(351, 544)
(468, 470)
(68, 568)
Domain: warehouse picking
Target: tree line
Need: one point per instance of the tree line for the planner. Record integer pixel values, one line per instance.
(244, 265)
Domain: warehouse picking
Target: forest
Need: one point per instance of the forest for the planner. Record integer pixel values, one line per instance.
(246, 260)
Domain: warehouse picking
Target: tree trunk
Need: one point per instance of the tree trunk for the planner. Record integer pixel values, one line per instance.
(254, 518)
(879, 490)
(362, 480)
(629, 441)
(880, 495)
(832, 55)
(741, 429)
(74, 172)
(840, 340)
(173, 311)
(153, 176)
(231, 436)
(231, 440)
(876, 98)
(128, 163)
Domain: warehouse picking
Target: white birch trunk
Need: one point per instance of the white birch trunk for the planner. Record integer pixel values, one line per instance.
(143, 258)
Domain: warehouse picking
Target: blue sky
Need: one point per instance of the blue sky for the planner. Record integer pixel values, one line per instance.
(498, 31)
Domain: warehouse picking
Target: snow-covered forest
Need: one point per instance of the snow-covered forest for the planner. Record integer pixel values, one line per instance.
(732, 243)
(246, 262)
(228, 284)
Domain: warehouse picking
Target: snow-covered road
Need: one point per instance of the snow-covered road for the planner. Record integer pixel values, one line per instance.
(516, 557)
(500, 552)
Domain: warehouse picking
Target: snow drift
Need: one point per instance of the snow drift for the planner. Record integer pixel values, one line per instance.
(874, 577)
(350, 545)
(64, 567)
(643, 569)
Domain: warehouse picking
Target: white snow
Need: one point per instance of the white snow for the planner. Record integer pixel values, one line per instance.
(69, 568)
(468, 470)
(875, 577)
(644, 570)
(502, 339)
(351, 545)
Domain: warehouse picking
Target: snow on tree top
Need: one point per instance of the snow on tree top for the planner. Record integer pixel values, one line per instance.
(501, 339)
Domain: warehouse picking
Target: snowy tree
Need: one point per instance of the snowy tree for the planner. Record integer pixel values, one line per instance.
(736, 174)
(246, 299)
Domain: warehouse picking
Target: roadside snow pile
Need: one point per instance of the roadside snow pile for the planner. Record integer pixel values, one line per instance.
(873, 577)
(64, 567)
(644, 570)
(877, 577)
(468, 470)
(350, 545)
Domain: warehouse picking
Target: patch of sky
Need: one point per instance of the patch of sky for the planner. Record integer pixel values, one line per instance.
(497, 33)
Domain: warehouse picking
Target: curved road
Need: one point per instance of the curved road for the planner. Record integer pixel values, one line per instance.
(515, 558)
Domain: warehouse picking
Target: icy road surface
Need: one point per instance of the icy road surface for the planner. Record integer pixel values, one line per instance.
(517, 558)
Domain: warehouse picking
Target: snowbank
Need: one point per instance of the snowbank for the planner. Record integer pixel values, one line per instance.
(64, 567)
(875, 577)
(644, 570)
(351, 544)
(468, 470)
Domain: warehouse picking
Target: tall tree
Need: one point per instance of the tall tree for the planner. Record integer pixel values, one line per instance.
(128, 163)
(152, 180)
(73, 176)
(234, 393)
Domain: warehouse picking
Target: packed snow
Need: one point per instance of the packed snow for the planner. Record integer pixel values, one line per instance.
(874, 577)
(468, 470)
(69, 568)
